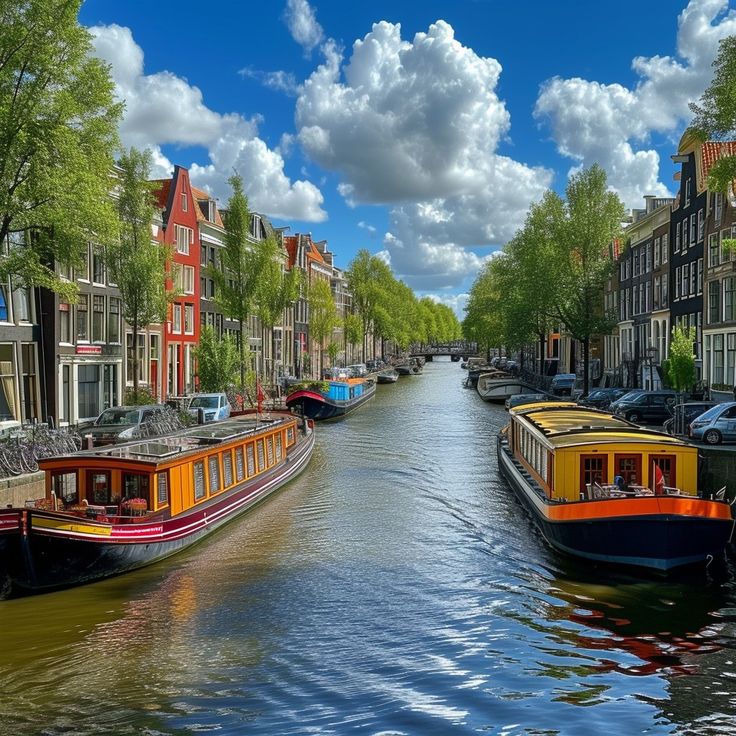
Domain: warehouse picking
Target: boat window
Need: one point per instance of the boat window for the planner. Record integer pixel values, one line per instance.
(135, 485)
(279, 448)
(666, 464)
(251, 460)
(261, 458)
(290, 439)
(269, 450)
(199, 490)
(239, 464)
(162, 484)
(214, 468)
(98, 488)
(227, 468)
(629, 468)
(64, 485)
(593, 469)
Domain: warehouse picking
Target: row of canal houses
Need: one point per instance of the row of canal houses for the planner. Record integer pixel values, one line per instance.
(671, 269)
(67, 362)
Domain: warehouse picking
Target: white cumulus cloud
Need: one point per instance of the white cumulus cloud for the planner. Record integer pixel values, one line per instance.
(163, 108)
(611, 124)
(302, 23)
(417, 125)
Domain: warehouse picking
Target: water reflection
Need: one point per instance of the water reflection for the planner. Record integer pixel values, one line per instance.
(396, 587)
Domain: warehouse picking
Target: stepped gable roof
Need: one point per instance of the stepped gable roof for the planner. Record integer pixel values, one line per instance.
(706, 153)
(291, 243)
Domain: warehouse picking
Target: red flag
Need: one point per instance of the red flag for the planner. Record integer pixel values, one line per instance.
(658, 481)
(260, 396)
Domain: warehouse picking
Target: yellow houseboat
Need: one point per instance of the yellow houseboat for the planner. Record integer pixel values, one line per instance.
(605, 489)
(117, 508)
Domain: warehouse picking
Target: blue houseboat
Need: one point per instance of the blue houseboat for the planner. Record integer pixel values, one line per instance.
(340, 398)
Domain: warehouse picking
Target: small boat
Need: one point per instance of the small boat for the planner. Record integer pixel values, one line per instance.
(118, 508)
(497, 386)
(606, 490)
(388, 375)
(410, 367)
(338, 399)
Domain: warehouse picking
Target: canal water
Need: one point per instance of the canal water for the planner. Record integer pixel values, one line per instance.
(395, 588)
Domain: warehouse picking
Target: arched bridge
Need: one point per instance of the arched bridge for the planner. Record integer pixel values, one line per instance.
(456, 349)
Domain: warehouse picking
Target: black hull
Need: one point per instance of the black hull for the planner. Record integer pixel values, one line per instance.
(318, 408)
(38, 562)
(658, 543)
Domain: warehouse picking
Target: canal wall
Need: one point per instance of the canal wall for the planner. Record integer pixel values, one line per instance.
(16, 491)
(717, 469)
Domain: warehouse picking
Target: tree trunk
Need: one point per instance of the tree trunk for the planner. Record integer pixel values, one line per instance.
(242, 356)
(586, 359)
(135, 361)
(541, 353)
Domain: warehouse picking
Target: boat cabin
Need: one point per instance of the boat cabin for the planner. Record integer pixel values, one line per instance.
(167, 475)
(576, 453)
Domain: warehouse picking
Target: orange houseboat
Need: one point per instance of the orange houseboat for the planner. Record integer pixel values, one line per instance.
(605, 489)
(118, 508)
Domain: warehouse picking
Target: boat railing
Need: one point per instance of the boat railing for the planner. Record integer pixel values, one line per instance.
(126, 512)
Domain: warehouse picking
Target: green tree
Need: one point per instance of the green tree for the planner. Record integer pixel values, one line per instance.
(239, 269)
(715, 115)
(137, 263)
(322, 315)
(353, 329)
(58, 135)
(679, 368)
(367, 275)
(333, 349)
(217, 361)
(582, 231)
(276, 288)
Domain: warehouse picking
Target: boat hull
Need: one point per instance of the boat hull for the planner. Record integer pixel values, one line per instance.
(660, 534)
(315, 406)
(498, 390)
(44, 550)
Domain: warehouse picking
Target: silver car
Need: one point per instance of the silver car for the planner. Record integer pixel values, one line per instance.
(716, 425)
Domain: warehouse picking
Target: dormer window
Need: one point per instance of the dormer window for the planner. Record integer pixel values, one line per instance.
(688, 183)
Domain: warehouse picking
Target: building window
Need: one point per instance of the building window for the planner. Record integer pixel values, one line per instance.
(665, 248)
(83, 274)
(696, 278)
(730, 377)
(717, 207)
(714, 250)
(665, 292)
(677, 237)
(98, 318)
(717, 358)
(685, 280)
(688, 184)
(98, 266)
(22, 304)
(713, 303)
(683, 224)
(188, 279)
(657, 249)
(65, 323)
(176, 328)
(30, 381)
(189, 319)
(88, 387)
(82, 318)
(701, 224)
(729, 303)
(113, 321)
(184, 238)
(8, 405)
(184, 204)
(693, 229)
(3, 304)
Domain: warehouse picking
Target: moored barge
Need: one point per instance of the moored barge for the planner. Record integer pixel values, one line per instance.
(606, 490)
(117, 508)
(340, 398)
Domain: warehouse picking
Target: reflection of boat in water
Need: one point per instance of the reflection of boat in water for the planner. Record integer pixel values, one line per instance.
(561, 461)
(337, 400)
(115, 509)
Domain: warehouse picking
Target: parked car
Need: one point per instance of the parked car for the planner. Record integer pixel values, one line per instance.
(716, 425)
(563, 384)
(628, 396)
(520, 399)
(647, 407)
(215, 407)
(601, 398)
(119, 423)
(684, 414)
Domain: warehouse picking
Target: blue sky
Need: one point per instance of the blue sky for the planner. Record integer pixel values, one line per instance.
(419, 130)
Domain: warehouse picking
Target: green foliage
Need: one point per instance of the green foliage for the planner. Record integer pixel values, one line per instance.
(136, 262)
(353, 329)
(715, 115)
(138, 397)
(323, 317)
(58, 134)
(333, 349)
(679, 368)
(276, 288)
(217, 361)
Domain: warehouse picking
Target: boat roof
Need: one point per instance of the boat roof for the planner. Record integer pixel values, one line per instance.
(158, 450)
(566, 424)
